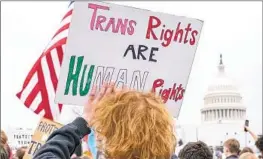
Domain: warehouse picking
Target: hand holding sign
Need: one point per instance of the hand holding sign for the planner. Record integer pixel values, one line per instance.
(94, 98)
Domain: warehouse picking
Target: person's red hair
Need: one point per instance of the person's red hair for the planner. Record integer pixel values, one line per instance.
(134, 125)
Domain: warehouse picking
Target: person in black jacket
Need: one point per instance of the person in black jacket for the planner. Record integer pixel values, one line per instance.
(259, 144)
(258, 139)
(128, 124)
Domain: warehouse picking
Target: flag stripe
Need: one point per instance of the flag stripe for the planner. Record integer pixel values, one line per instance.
(60, 54)
(30, 76)
(55, 41)
(30, 85)
(42, 109)
(42, 113)
(60, 42)
(35, 67)
(56, 62)
(69, 13)
(40, 84)
(36, 102)
(31, 96)
(64, 22)
(63, 28)
(49, 86)
(44, 95)
(52, 71)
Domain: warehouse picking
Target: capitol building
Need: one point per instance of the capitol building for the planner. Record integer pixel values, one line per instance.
(223, 114)
(223, 102)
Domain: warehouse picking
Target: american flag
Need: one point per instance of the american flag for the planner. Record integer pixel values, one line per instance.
(38, 90)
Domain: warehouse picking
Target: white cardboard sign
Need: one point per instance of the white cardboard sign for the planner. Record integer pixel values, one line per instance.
(142, 49)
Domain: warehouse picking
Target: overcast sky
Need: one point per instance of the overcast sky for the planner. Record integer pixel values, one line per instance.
(231, 28)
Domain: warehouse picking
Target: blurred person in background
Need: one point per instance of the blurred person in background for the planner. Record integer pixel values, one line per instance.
(20, 152)
(3, 153)
(258, 140)
(231, 148)
(195, 150)
(218, 155)
(246, 149)
(259, 144)
(4, 146)
(248, 155)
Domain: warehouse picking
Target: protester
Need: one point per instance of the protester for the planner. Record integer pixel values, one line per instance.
(3, 138)
(248, 155)
(3, 153)
(246, 149)
(20, 152)
(117, 117)
(195, 150)
(259, 144)
(258, 140)
(254, 136)
(231, 149)
(4, 146)
(218, 155)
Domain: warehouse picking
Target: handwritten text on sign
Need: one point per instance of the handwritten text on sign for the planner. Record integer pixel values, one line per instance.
(142, 49)
(44, 129)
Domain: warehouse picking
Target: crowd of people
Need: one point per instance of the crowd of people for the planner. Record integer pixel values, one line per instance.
(6, 152)
(128, 125)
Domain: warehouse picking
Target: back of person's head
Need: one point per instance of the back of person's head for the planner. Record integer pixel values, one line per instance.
(218, 154)
(134, 125)
(21, 152)
(195, 150)
(231, 147)
(259, 144)
(248, 155)
(246, 149)
(5, 149)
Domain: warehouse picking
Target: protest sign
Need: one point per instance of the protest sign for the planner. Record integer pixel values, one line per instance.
(139, 48)
(44, 129)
